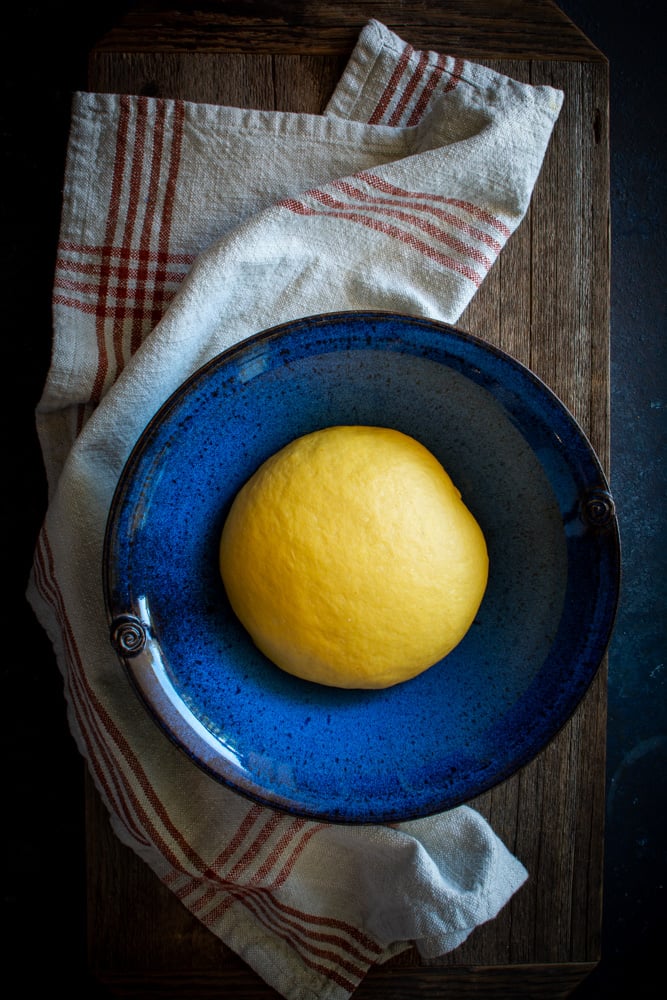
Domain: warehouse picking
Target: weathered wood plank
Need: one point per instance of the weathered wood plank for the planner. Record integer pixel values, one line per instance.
(280, 83)
(385, 984)
(476, 28)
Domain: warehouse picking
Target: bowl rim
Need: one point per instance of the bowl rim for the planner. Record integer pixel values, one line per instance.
(602, 508)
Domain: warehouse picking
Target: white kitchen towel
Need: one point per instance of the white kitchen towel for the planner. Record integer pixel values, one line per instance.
(185, 228)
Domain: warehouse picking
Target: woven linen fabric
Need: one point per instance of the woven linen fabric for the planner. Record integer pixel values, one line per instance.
(185, 228)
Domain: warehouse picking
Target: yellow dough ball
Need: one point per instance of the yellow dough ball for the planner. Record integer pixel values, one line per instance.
(351, 559)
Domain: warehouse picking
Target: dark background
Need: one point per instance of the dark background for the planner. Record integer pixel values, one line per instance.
(44, 60)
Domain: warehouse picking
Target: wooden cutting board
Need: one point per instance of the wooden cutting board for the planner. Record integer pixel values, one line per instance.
(546, 302)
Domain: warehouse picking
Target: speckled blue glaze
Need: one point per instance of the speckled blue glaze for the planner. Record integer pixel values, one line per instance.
(525, 469)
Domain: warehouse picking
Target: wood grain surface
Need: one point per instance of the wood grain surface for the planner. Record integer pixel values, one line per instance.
(546, 302)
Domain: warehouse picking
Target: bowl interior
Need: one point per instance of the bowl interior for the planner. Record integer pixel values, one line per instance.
(527, 473)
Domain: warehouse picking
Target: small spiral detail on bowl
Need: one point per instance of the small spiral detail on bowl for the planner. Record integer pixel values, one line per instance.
(128, 635)
(599, 509)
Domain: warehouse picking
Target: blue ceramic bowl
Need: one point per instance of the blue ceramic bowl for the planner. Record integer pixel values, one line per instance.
(526, 471)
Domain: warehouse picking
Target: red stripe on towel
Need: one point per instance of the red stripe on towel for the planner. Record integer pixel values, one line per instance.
(130, 218)
(390, 89)
(130, 300)
(112, 220)
(481, 214)
(98, 752)
(415, 202)
(306, 949)
(143, 293)
(161, 256)
(409, 90)
(123, 757)
(429, 87)
(394, 232)
(437, 232)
